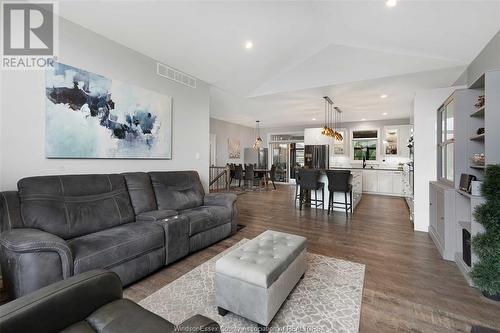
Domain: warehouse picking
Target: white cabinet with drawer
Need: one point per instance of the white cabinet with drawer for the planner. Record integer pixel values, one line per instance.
(397, 183)
(442, 218)
(370, 181)
(385, 182)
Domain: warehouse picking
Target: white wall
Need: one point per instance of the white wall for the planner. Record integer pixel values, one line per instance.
(488, 59)
(224, 131)
(425, 106)
(22, 112)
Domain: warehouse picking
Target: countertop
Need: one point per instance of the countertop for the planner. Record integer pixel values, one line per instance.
(367, 168)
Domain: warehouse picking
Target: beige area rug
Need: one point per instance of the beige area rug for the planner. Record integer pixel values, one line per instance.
(328, 299)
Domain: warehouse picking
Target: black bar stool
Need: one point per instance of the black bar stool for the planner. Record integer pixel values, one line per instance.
(339, 181)
(308, 183)
(297, 186)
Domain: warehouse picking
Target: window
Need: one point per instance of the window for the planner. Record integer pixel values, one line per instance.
(446, 141)
(365, 145)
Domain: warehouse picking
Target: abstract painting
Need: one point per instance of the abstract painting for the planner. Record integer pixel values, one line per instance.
(234, 148)
(91, 116)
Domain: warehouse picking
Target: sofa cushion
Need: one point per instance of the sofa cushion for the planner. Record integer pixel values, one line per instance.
(74, 205)
(107, 248)
(177, 190)
(141, 191)
(126, 316)
(206, 217)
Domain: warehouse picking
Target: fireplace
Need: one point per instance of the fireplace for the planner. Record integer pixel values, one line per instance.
(466, 250)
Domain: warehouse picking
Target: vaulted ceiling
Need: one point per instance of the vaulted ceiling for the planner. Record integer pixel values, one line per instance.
(353, 50)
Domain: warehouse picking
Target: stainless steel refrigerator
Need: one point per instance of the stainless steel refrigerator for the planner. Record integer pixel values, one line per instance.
(316, 156)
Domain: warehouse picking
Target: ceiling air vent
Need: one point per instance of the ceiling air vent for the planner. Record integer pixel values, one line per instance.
(175, 75)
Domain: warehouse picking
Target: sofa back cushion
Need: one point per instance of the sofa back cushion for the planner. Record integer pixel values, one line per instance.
(140, 191)
(74, 205)
(177, 190)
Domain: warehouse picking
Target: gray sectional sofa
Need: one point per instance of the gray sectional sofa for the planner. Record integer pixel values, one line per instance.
(55, 227)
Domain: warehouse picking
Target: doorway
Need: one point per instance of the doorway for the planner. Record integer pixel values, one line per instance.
(287, 153)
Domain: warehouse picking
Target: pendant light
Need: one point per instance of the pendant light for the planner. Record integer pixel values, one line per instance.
(327, 128)
(338, 136)
(325, 125)
(258, 139)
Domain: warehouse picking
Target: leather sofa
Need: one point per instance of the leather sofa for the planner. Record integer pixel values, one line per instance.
(89, 302)
(55, 227)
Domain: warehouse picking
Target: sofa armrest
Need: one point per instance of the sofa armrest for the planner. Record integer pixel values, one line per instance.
(155, 215)
(61, 304)
(220, 199)
(227, 200)
(31, 259)
(198, 323)
(26, 240)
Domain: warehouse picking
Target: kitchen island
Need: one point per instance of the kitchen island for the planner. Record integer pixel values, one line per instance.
(371, 180)
(357, 189)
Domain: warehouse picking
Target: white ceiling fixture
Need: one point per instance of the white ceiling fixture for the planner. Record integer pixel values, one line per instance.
(383, 96)
(391, 3)
(384, 114)
(363, 119)
(313, 119)
(248, 44)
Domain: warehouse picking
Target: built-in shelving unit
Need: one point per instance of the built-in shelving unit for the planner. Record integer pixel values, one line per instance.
(456, 212)
(479, 137)
(477, 121)
(478, 113)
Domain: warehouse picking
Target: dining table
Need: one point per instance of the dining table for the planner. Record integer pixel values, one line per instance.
(262, 174)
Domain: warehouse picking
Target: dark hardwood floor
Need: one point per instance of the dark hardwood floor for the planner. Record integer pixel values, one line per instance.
(408, 287)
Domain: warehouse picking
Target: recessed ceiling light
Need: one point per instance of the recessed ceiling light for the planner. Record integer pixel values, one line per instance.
(248, 44)
(314, 119)
(384, 114)
(383, 96)
(391, 3)
(363, 119)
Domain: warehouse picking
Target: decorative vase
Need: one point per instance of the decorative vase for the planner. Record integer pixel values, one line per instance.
(495, 297)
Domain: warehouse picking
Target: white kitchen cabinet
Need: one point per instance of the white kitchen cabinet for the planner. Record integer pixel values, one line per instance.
(370, 181)
(400, 134)
(405, 132)
(442, 218)
(397, 183)
(384, 181)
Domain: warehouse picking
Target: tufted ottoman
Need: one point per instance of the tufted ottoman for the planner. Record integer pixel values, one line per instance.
(254, 280)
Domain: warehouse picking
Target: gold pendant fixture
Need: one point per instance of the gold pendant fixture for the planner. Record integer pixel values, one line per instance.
(332, 120)
(258, 139)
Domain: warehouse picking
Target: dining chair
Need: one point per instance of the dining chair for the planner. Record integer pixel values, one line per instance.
(272, 175)
(249, 175)
(238, 174)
